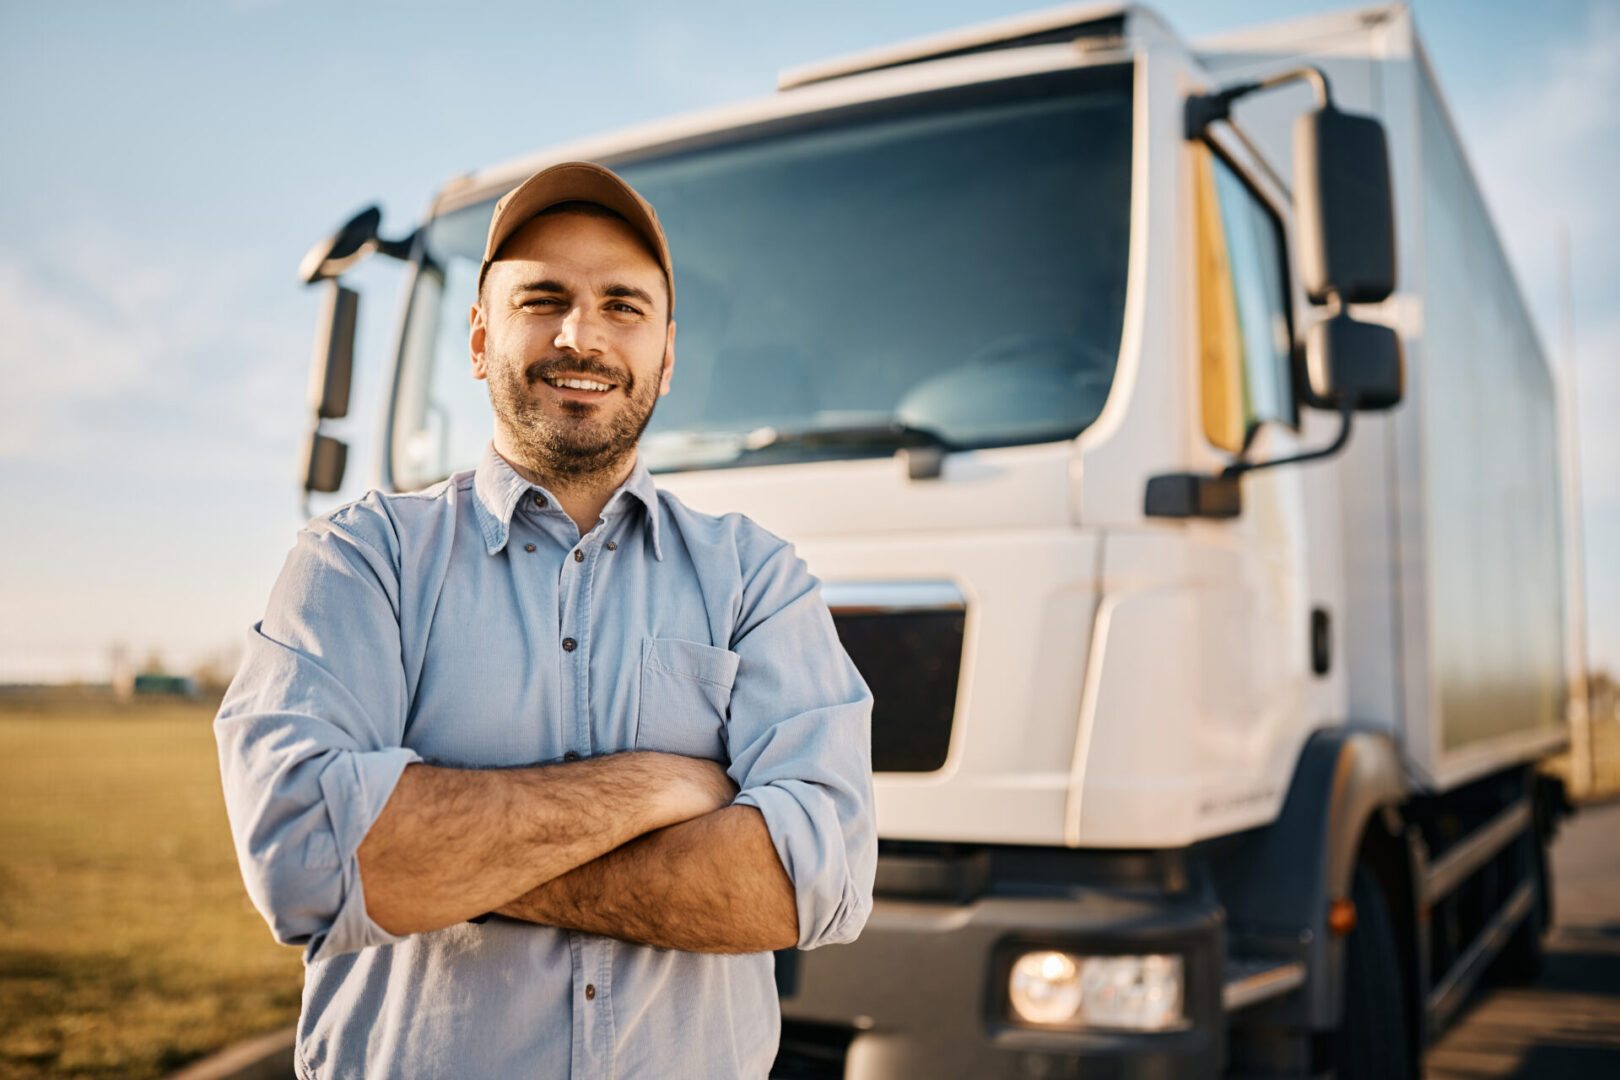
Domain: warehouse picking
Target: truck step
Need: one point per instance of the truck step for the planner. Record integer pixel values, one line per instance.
(1249, 980)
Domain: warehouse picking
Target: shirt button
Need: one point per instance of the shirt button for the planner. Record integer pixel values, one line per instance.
(569, 644)
(572, 755)
(528, 547)
(540, 500)
(579, 556)
(611, 546)
(590, 991)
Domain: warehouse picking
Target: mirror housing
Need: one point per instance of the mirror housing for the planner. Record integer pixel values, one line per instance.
(331, 374)
(331, 365)
(324, 462)
(352, 242)
(1344, 207)
(1350, 364)
(331, 369)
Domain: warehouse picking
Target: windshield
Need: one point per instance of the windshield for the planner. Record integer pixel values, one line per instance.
(949, 264)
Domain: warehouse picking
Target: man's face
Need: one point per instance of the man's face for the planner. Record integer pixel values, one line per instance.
(573, 335)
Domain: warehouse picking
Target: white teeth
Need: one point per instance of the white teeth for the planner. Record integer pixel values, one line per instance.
(580, 384)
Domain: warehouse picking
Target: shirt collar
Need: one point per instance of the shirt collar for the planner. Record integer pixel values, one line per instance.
(499, 489)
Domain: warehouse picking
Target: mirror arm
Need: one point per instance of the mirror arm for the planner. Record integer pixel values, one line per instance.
(1220, 495)
(318, 267)
(1238, 468)
(400, 249)
(1203, 110)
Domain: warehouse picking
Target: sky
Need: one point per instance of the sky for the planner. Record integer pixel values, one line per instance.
(166, 165)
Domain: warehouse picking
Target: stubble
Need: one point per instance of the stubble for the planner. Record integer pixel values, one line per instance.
(581, 440)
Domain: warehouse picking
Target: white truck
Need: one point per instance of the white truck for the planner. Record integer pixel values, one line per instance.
(1182, 466)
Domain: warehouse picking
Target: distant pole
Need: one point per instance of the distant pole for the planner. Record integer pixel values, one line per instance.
(1581, 765)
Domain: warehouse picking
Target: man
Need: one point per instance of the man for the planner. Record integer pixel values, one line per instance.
(703, 788)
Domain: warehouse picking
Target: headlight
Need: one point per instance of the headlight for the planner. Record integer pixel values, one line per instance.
(1136, 993)
(1045, 987)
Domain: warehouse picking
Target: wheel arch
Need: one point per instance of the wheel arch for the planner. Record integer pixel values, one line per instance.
(1343, 802)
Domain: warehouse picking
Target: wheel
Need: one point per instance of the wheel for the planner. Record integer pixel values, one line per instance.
(1373, 1039)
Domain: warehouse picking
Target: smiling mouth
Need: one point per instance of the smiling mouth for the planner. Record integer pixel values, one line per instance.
(574, 382)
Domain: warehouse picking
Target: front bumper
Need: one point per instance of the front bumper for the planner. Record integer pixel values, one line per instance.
(921, 994)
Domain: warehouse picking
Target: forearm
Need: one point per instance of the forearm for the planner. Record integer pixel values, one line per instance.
(454, 843)
(713, 884)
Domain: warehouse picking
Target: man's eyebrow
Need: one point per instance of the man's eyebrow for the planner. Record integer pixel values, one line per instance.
(547, 285)
(628, 292)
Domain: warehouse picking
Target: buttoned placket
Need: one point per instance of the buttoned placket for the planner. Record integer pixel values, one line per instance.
(592, 956)
(574, 633)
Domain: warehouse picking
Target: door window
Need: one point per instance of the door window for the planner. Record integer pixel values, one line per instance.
(1245, 336)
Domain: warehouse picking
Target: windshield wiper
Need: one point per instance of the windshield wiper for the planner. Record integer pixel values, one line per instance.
(926, 450)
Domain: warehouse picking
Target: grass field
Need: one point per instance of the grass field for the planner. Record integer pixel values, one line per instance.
(127, 944)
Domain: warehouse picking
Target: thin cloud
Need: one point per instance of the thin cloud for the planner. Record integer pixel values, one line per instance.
(58, 348)
(98, 343)
(1549, 156)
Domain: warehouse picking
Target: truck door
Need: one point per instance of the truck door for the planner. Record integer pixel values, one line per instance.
(1255, 648)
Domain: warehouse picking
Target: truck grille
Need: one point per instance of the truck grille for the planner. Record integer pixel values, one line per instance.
(907, 642)
(811, 1051)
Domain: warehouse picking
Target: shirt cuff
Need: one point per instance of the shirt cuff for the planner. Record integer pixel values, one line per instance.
(809, 839)
(355, 787)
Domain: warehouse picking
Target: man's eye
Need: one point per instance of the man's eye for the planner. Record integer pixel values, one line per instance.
(541, 301)
(622, 306)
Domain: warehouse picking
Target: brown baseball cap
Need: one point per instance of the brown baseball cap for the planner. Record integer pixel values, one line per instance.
(577, 181)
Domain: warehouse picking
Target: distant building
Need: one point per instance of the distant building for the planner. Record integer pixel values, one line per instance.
(173, 685)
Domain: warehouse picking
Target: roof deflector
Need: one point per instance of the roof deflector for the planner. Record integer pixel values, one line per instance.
(1055, 26)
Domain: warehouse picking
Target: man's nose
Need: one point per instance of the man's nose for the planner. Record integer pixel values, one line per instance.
(578, 332)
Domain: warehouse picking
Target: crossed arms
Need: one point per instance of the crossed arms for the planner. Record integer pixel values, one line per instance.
(347, 839)
(644, 847)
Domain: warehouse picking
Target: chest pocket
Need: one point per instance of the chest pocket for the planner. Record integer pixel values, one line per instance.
(685, 695)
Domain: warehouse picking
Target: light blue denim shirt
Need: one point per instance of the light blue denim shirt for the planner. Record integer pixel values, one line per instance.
(471, 625)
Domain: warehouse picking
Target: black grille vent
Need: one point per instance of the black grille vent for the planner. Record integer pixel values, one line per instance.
(911, 660)
(810, 1051)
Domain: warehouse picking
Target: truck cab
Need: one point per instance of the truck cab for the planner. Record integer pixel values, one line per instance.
(1043, 342)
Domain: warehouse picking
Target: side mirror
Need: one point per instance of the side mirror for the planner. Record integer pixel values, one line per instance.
(1345, 212)
(1350, 364)
(1344, 207)
(331, 374)
(331, 366)
(354, 240)
(335, 254)
(324, 462)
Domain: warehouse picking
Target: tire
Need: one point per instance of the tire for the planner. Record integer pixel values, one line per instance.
(1374, 1037)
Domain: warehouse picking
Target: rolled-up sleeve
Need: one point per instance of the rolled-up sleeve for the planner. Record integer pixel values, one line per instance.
(799, 735)
(309, 739)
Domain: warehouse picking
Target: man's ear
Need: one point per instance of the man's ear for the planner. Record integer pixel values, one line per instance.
(669, 359)
(475, 341)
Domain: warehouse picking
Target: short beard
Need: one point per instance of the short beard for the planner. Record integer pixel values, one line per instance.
(580, 450)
